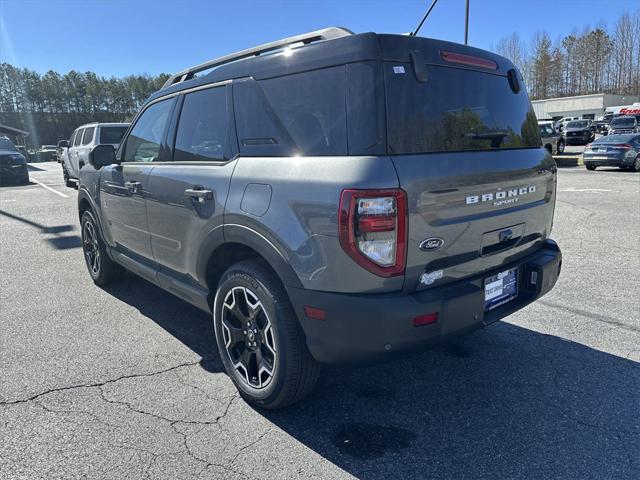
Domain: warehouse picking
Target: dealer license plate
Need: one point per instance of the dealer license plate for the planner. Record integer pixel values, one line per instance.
(500, 289)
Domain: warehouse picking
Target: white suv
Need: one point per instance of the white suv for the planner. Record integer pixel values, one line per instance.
(82, 141)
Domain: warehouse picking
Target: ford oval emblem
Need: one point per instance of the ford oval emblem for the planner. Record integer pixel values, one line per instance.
(432, 243)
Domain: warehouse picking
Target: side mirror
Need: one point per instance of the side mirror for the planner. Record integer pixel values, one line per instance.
(101, 156)
(63, 144)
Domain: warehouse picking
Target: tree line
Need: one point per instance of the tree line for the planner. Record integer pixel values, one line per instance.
(596, 60)
(52, 105)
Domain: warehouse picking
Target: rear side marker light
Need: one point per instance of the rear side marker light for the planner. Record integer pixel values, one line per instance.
(372, 227)
(427, 319)
(315, 313)
(470, 60)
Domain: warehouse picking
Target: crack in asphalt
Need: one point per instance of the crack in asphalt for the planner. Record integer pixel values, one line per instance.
(594, 318)
(173, 422)
(96, 384)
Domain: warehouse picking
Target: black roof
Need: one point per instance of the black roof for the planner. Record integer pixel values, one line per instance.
(339, 51)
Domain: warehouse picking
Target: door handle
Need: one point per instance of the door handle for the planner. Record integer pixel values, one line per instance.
(199, 193)
(132, 187)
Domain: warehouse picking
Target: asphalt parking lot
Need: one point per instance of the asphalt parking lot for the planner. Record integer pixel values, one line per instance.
(125, 382)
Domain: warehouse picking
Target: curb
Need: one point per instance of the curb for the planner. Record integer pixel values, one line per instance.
(566, 161)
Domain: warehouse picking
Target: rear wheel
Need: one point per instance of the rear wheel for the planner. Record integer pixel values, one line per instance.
(259, 338)
(102, 269)
(65, 175)
(636, 165)
(590, 167)
(560, 147)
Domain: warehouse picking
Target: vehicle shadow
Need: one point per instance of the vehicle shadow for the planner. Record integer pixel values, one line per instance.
(503, 402)
(58, 240)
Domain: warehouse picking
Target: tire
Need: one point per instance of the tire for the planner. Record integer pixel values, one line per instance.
(560, 147)
(636, 165)
(67, 180)
(590, 167)
(102, 269)
(279, 370)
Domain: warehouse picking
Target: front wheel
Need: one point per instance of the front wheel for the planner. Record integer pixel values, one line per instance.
(259, 338)
(636, 165)
(591, 167)
(560, 147)
(102, 269)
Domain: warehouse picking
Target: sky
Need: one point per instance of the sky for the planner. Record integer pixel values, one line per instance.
(124, 37)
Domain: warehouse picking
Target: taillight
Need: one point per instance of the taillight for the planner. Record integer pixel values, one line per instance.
(470, 60)
(373, 229)
(624, 146)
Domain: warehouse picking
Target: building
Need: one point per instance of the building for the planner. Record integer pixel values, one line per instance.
(18, 137)
(583, 106)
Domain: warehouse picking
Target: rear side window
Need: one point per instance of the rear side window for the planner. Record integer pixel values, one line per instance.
(202, 128)
(88, 135)
(311, 107)
(76, 141)
(112, 135)
(144, 141)
(456, 110)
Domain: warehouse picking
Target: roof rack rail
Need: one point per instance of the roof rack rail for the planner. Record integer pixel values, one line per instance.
(306, 38)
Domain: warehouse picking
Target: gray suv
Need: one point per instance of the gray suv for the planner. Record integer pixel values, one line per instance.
(330, 198)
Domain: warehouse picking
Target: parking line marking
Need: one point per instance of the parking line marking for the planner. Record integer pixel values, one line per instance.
(49, 188)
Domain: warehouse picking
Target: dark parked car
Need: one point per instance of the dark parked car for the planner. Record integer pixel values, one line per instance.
(624, 124)
(602, 126)
(13, 165)
(621, 151)
(579, 132)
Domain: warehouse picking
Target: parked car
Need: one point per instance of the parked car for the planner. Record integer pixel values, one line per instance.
(62, 149)
(602, 126)
(333, 201)
(562, 123)
(579, 132)
(83, 139)
(551, 140)
(624, 124)
(13, 164)
(621, 151)
(47, 153)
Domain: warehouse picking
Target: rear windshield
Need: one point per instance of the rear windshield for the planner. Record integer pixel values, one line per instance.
(112, 134)
(578, 124)
(456, 110)
(615, 139)
(623, 121)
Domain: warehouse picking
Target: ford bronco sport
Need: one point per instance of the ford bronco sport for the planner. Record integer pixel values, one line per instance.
(330, 198)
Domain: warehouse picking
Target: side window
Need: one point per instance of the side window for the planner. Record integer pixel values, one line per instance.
(76, 141)
(143, 142)
(88, 135)
(202, 129)
(311, 106)
(72, 138)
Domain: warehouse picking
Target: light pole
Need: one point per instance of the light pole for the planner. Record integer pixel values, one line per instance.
(466, 26)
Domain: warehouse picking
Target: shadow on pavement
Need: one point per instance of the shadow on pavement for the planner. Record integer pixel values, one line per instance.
(503, 402)
(59, 241)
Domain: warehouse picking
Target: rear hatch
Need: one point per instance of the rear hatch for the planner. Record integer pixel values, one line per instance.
(466, 146)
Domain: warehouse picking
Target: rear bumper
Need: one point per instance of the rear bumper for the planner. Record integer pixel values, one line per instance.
(363, 328)
(610, 161)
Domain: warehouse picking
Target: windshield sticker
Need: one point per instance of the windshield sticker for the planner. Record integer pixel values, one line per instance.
(398, 69)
